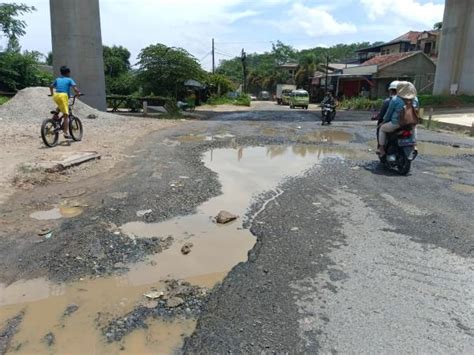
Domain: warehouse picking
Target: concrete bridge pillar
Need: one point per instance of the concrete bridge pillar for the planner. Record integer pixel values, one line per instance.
(77, 43)
(455, 60)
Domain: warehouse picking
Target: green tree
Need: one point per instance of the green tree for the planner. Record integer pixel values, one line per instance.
(218, 83)
(163, 70)
(49, 58)
(438, 26)
(119, 78)
(116, 60)
(12, 27)
(21, 70)
(308, 64)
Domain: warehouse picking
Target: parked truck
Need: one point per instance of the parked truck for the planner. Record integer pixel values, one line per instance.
(284, 90)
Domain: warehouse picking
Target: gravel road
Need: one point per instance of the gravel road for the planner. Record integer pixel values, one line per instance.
(348, 257)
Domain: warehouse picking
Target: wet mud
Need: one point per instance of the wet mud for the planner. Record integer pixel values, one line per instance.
(111, 312)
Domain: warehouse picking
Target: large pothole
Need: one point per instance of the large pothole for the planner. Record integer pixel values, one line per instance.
(103, 302)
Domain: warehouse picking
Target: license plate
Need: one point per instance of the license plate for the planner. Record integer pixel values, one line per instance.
(405, 142)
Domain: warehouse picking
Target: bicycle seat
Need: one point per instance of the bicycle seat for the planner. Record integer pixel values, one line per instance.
(53, 112)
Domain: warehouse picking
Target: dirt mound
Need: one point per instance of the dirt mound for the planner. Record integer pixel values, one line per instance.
(33, 104)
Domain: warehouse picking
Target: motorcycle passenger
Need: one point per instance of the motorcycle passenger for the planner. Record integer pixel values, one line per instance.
(406, 93)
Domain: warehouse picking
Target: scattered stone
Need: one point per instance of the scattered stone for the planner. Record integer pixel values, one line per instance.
(49, 339)
(119, 195)
(149, 217)
(186, 249)
(8, 332)
(225, 217)
(154, 295)
(180, 300)
(72, 308)
(294, 229)
(44, 232)
(120, 265)
(150, 304)
(174, 302)
(91, 116)
(142, 213)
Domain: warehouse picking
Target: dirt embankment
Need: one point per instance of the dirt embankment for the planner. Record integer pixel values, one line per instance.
(21, 146)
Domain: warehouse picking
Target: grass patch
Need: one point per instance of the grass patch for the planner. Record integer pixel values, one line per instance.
(446, 100)
(434, 124)
(361, 103)
(242, 100)
(3, 99)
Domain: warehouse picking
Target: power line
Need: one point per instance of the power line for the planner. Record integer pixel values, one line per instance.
(207, 55)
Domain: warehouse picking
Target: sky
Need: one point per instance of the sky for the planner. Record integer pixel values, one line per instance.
(236, 24)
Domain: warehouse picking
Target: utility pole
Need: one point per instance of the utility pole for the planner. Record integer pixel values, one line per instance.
(327, 65)
(244, 68)
(213, 57)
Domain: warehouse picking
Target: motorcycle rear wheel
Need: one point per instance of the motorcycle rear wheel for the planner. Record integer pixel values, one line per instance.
(403, 165)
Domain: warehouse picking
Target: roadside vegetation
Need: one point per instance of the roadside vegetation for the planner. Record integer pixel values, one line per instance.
(446, 100)
(3, 99)
(241, 100)
(361, 103)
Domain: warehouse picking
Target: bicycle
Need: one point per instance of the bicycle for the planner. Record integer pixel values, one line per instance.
(51, 127)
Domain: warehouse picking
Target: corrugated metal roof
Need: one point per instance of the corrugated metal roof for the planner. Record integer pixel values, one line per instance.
(388, 59)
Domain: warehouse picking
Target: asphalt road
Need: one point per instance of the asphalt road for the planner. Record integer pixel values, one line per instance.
(349, 258)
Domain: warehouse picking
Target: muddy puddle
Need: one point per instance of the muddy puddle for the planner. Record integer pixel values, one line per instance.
(441, 150)
(463, 188)
(67, 209)
(243, 173)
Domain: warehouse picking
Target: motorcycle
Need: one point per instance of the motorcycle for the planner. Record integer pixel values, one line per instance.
(400, 150)
(328, 113)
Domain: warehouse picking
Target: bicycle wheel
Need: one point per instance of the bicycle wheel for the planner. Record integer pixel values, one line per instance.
(75, 128)
(49, 134)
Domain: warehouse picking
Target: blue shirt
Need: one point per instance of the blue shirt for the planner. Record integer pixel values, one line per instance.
(395, 108)
(63, 85)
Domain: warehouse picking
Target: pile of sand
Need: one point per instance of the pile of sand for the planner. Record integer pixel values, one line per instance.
(34, 105)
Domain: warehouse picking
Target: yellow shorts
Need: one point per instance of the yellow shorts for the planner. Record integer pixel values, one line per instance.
(62, 100)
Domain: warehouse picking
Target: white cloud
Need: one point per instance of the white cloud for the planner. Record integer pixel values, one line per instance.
(405, 11)
(313, 21)
(317, 21)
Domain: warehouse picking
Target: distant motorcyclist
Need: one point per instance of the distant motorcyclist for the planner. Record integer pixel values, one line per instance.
(406, 97)
(328, 99)
(328, 102)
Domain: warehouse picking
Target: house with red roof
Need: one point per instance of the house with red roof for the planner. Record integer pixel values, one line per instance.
(410, 57)
(426, 41)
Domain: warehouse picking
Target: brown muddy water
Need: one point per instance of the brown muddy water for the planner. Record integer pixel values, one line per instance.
(243, 173)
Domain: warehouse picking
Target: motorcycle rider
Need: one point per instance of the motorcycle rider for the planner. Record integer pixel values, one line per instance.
(405, 91)
(329, 100)
(392, 92)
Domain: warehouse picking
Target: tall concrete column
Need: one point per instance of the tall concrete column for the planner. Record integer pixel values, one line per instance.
(77, 43)
(456, 52)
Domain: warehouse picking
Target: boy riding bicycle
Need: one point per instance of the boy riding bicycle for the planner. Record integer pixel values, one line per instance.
(63, 86)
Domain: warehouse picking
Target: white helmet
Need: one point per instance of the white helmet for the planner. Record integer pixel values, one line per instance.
(393, 85)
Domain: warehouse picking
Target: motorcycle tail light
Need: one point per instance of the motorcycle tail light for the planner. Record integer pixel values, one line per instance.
(406, 134)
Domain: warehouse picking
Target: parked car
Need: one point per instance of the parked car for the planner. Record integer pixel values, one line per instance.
(264, 95)
(285, 96)
(299, 98)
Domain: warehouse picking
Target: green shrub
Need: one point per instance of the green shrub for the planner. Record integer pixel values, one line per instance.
(3, 99)
(361, 103)
(445, 100)
(241, 100)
